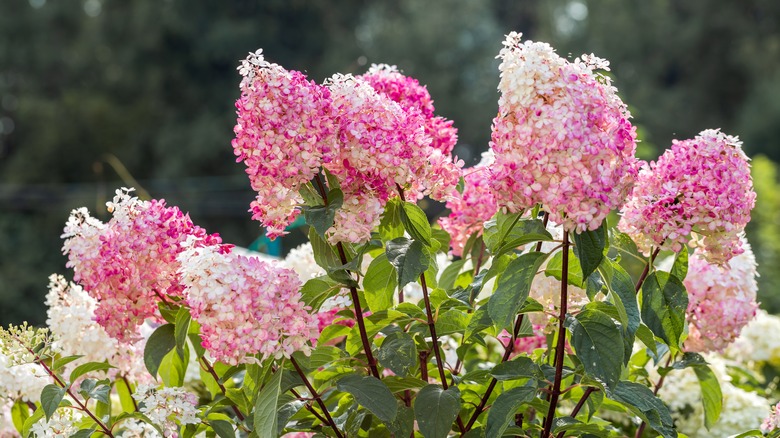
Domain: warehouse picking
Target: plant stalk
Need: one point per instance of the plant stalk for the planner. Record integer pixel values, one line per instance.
(561, 344)
(317, 397)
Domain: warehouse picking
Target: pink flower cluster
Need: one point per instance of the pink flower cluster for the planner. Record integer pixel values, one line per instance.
(284, 132)
(562, 137)
(245, 306)
(527, 345)
(701, 185)
(407, 92)
(288, 128)
(129, 263)
(721, 300)
(471, 208)
(772, 422)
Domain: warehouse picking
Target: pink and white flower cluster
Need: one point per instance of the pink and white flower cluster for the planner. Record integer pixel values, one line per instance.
(288, 128)
(245, 306)
(284, 133)
(701, 185)
(470, 209)
(407, 92)
(721, 300)
(562, 137)
(129, 263)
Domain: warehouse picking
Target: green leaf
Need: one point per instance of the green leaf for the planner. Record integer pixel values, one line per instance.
(503, 410)
(513, 288)
(267, 403)
(324, 254)
(451, 321)
(83, 433)
(30, 421)
(518, 368)
(641, 400)
(554, 269)
(222, 428)
(318, 289)
(161, 342)
(398, 352)
(321, 217)
(409, 257)
(390, 227)
(416, 223)
(680, 266)
(646, 336)
(61, 362)
(380, 284)
(174, 367)
(398, 384)
(620, 283)
(436, 409)
(598, 344)
(504, 233)
(91, 388)
(372, 394)
(450, 274)
(589, 248)
(664, 302)
(51, 396)
(125, 395)
(403, 425)
(19, 413)
(87, 368)
(181, 329)
(288, 406)
(711, 395)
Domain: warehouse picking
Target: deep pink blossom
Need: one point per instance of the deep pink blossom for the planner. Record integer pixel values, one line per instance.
(284, 133)
(562, 137)
(703, 186)
(412, 96)
(470, 209)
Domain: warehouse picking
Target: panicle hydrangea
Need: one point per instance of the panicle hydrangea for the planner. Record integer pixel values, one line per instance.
(562, 137)
(245, 306)
(62, 424)
(21, 381)
(284, 133)
(129, 263)
(702, 185)
(721, 299)
(527, 344)
(681, 391)
(754, 344)
(167, 407)
(470, 209)
(132, 428)
(71, 319)
(381, 148)
(407, 91)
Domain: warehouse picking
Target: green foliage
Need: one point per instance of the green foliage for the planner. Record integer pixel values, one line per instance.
(435, 410)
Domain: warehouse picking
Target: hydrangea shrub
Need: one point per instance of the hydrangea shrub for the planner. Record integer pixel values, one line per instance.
(518, 313)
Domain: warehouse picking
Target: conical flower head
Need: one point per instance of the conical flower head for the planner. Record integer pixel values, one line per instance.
(562, 137)
(284, 133)
(702, 186)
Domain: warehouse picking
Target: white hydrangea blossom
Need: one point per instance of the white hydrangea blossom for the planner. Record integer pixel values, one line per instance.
(71, 319)
(753, 344)
(301, 260)
(742, 410)
(62, 424)
(166, 407)
(23, 382)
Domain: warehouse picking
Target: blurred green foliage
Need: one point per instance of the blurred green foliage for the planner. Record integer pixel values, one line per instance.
(153, 84)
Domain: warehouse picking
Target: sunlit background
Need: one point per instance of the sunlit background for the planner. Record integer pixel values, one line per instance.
(97, 94)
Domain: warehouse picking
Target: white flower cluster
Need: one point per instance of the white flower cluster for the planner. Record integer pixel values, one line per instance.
(301, 260)
(742, 410)
(23, 382)
(62, 424)
(754, 343)
(71, 319)
(167, 406)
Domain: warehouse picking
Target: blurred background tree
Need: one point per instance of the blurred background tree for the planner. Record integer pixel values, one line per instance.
(88, 87)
